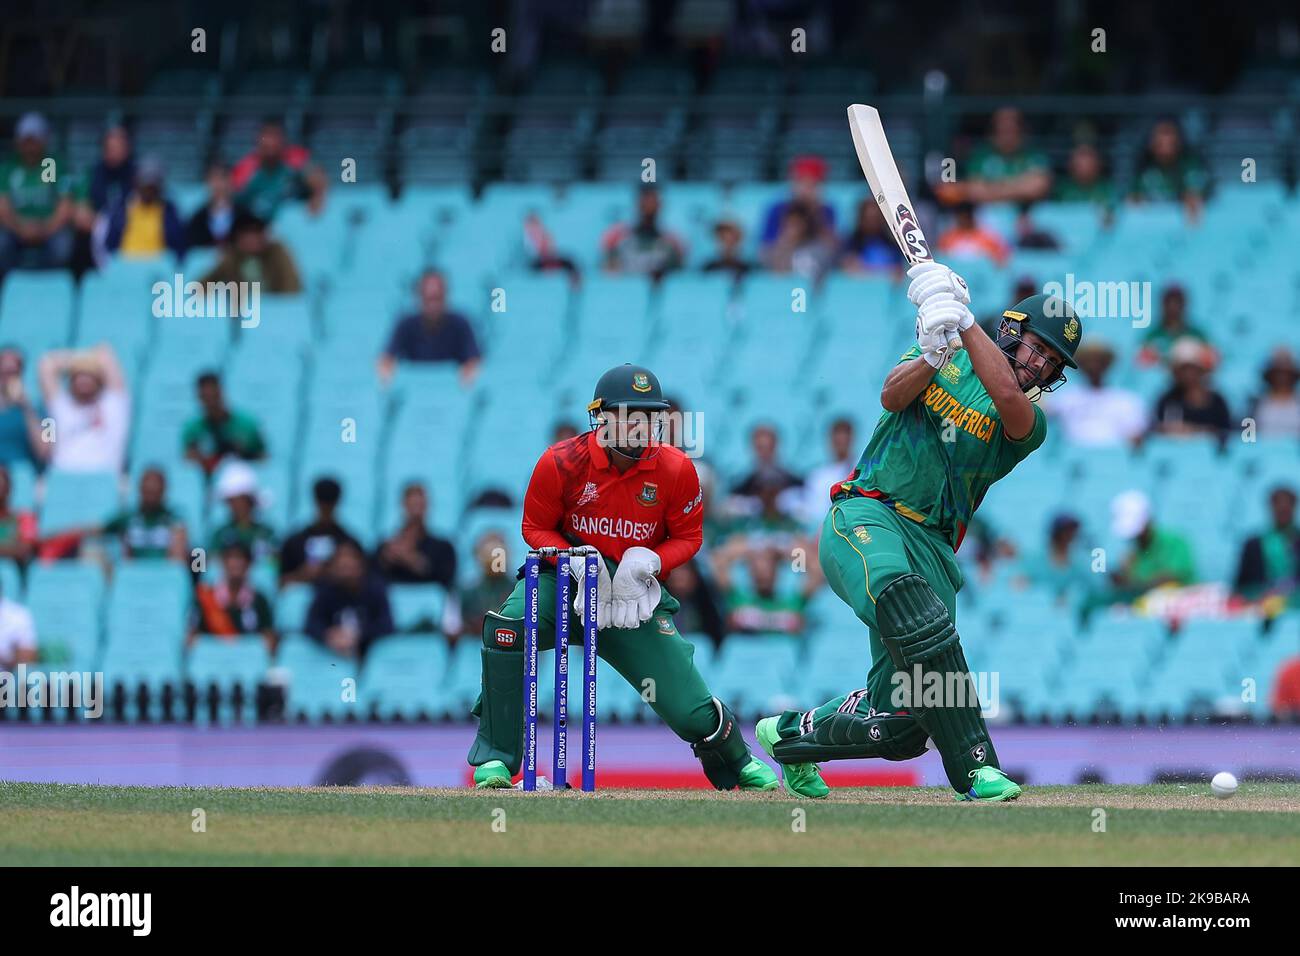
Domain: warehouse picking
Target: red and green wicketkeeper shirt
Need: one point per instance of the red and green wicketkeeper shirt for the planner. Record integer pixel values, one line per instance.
(576, 496)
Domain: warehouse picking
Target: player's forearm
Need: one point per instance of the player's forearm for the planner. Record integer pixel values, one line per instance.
(675, 552)
(904, 383)
(994, 372)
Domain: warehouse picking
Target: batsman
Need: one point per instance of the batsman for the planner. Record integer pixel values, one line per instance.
(954, 422)
(636, 500)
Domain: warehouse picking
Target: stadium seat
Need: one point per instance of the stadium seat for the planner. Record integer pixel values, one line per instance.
(66, 600)
(754, 673)
(320, 684)
(76, 500)
(36, 310)
(417, 607)
(291, 606)
(402, 677)
(224, 664)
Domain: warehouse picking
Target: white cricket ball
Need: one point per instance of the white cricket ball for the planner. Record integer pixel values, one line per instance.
(1224, 785)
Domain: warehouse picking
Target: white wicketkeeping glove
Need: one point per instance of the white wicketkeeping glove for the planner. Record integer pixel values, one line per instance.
(635, 591)
(603, 588)
(934, 278)
(942, 311)
(934, 345)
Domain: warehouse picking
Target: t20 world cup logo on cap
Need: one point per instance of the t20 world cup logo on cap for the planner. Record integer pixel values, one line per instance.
(910, 232)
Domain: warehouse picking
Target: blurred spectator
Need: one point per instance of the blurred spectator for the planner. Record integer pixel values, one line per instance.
(253, 256)
(767, 471)
(967, 239)
(413, 555)
(1172, 325)
(490, 587)
(150, 530)
(145, 223)
(1062, 567)
(17, 528)
(800, 246)
(232, 606)
(642, 247)
(730, 256)
(1158, 556)
(540, 248)
(699, 607)
(1285, 699)
(350, 609)
(434, 334)
(35, 215)
(1085, 179)
(985, 549)
(1093, 413)
(113, 175)
(870, 248)
(276, 173)
(219, 432)
(1003, 169)
(1277, 410)
(20, 420)
(236, 486)
(211, 223)
(563, 431)
(758, 607)
(491, 498)
(305, 552)
(806, 175)
(1191, 406)
(92, 414)
(1030, 235)
(1270, 562)
(17, 634)
(843, 459)
(1168, 172)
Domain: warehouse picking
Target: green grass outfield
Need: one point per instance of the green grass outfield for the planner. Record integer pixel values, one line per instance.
(54, 824)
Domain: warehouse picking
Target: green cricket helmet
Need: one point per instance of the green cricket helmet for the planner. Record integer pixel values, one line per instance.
(630, 386)
(1050, 318)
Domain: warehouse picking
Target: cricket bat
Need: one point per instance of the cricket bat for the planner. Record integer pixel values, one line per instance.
(887, 186)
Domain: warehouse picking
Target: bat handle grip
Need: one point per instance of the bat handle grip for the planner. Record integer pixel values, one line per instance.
(955, 343)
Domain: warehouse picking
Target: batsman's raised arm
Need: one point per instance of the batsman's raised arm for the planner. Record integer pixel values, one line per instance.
(991, 367)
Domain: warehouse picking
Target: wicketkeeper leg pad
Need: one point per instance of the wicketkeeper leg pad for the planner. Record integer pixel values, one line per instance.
(724, 753)
(922, 641)
(500, 707)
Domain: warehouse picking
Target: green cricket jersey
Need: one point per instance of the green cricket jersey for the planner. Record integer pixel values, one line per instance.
(934, 461)
(29, 194)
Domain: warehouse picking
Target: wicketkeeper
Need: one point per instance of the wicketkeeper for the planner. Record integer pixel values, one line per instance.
(954, 423)
(637, 501)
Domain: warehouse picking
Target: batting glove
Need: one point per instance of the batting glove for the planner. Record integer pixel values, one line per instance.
(934, 278)
(942, 311)
(934, 345)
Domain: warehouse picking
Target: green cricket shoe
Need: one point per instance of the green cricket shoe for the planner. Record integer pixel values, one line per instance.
(991, 785)
(758, 776)
(801, 779)
(492, 775)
